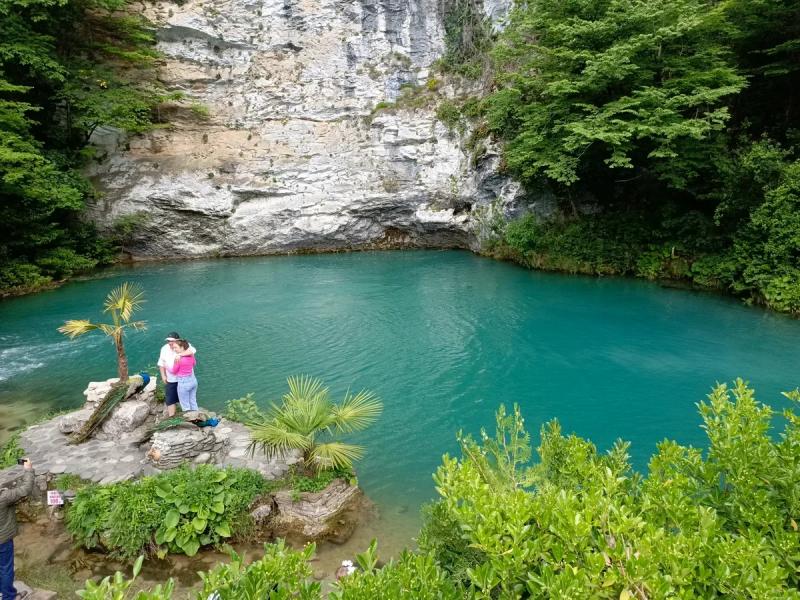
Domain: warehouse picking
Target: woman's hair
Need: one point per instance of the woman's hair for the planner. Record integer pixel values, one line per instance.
(182, 343)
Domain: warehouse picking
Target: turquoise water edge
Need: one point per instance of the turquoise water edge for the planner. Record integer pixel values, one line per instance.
(443, 337)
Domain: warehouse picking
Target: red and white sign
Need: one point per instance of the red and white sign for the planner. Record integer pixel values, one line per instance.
(54, 498)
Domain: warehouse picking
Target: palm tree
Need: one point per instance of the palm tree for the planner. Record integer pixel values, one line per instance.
(307, 414)
(121, 303)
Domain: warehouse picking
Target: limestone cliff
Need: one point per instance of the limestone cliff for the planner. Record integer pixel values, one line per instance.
(276, 147)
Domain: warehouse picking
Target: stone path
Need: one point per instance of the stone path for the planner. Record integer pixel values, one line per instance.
(122, 459)
(34, 594)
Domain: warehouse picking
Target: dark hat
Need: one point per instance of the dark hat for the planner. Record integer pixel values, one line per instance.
(172, 336)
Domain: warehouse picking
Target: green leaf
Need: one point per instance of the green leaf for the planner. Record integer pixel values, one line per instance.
(199, 524)
(172, 517)
(223, 529)
(191, 547)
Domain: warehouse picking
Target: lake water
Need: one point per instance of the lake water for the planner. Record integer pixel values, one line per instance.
(442, 337)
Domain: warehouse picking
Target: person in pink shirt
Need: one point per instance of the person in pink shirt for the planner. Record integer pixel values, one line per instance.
(183, 369)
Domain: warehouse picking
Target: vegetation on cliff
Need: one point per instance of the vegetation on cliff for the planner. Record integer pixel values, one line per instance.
(666, 133)
(67, 67)
(582, 524)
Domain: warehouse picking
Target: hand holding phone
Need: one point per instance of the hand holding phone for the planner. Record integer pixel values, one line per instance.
(26, 463)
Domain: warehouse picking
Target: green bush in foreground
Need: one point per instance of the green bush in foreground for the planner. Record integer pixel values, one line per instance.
(177, 512)
(580, 524)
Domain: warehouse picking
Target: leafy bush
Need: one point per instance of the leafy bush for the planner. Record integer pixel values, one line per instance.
(119, 588)
(412, 577)
(178, 511)
(280, 573)
(320, 480)
(243, 410)
(585, 525)
(449, 113)
(11, 452)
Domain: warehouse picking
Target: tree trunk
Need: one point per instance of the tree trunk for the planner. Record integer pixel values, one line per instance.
(122, 361)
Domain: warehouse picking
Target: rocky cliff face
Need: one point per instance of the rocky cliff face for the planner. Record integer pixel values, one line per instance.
(290, 155)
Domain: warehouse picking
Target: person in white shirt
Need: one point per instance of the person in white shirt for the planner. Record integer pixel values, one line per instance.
(167, 357)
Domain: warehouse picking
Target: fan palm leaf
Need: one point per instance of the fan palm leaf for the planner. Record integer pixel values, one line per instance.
(77, 327)
(125, 300)
(335, 455)
(356, 412)
(275, 440)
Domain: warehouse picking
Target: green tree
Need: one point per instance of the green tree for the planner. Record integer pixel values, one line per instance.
(66, 67)
(121, 303)
(634, 85)
(306, 415)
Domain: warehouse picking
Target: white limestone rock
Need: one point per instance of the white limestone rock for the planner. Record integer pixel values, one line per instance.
(291, 156)
(126, 417)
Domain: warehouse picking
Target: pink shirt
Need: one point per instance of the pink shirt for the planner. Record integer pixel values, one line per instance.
(184, 367)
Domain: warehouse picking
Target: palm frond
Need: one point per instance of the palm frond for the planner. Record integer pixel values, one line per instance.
(125, 299)
(109, 330)
(357, 412)
(306, 408)
(335, 455)
(137, 325)
(304, 387)
(275, 440)
(76, 327)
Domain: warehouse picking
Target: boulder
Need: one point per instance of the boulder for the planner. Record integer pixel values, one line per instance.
(262, 510)
(173, 447)
(126, 417)
(326, 515)
(97, 390)
(72, 422)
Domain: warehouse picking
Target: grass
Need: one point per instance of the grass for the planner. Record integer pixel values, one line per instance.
(56, 578)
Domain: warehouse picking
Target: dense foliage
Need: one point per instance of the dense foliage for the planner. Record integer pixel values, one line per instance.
(582, 524)
(178, 511)
(67, 67)
(666, 132)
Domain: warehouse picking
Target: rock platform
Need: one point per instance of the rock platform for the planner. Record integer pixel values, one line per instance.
(127, 446)
(118, 450)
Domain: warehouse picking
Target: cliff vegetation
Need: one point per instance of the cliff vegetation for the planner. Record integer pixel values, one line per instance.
(667, 133)
(67, 67)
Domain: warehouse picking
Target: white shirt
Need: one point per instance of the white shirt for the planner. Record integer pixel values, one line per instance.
(167, 359)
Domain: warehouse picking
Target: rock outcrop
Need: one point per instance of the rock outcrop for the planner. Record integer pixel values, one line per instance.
(122, 449)
(277, 146)
(331, 514)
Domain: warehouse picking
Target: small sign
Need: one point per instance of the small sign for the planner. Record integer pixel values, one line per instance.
(54, 498)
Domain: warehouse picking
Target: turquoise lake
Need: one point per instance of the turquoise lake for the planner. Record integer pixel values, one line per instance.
(443, 337)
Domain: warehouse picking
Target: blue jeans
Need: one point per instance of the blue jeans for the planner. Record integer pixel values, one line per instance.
(7, 589)
(187, 393)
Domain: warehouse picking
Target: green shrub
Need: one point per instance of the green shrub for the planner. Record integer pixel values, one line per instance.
(280, 573)
(178, 511)
(412, 577)
(119, 588)
(442, 539)
(584, 525)
(11, 452)
(450, 114)
(243, 410)
(22, 277)
(64, 262)
(321, 480)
